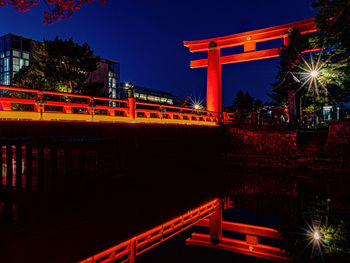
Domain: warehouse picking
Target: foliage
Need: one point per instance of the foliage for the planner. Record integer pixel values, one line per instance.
(335, 239)
(290, 55)
(258, 104)
(333, 21)
(243, 102)
(93, 89)
(60, 65)
(58, 9)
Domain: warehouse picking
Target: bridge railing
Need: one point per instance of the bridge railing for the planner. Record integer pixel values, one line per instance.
(21, 103)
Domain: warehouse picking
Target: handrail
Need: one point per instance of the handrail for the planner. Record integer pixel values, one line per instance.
(127, 251)
(99, 109)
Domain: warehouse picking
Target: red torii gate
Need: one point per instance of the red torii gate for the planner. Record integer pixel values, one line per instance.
(248, 40)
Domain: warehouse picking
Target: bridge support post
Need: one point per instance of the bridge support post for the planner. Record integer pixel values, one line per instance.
(215, 225)
(214, 78)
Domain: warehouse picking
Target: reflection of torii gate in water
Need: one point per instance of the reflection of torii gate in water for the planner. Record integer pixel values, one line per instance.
(248, 40)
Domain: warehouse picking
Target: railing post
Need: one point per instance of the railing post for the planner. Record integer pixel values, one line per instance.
(215, 225)
(39, 104)
(251, 240)
(111, 112)
(161, 112)
(132, 108)
(5, 105)
(91, 109)
(67, 109)
(132, 250)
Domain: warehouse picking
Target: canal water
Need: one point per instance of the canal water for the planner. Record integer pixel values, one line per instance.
(64, 198)
(66, 229)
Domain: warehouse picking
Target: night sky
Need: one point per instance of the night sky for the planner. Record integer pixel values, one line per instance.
(146, 37)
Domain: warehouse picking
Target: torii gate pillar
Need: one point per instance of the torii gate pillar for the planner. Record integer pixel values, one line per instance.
(214, 78)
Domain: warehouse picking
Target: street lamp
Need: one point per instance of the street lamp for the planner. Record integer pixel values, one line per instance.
(314, 75)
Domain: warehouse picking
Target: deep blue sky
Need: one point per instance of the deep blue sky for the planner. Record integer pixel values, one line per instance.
(146, 37)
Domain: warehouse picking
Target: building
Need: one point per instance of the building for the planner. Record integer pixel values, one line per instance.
(148, 95)
(16, 52)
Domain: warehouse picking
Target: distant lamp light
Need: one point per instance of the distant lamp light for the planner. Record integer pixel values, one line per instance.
(316, 235)
(314, 73)
(196, 106)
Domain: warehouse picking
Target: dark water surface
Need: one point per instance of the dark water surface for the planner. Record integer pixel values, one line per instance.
(74, 191)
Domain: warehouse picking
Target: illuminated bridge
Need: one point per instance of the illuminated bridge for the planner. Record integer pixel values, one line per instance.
(29, 104)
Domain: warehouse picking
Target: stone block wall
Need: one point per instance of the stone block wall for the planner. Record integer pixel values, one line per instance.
(262, 148)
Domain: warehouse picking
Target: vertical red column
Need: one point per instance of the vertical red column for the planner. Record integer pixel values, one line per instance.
(215, 225)
(214, 78)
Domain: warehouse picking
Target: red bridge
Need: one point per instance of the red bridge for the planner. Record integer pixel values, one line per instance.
(49, 105)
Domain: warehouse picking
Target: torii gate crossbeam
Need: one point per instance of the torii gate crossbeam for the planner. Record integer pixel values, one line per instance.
(248, 40)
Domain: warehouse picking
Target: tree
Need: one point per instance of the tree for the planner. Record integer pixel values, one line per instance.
(60, 65)
(58, 9)
(333, 21)
(258, 104)
(290, 56)
(243, 102)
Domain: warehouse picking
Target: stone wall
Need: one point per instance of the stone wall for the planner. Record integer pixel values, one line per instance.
(262, 148)
(338, 145)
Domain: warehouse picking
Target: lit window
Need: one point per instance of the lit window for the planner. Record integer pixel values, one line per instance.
(6, 78)
(26, 62)
(16, 53)
(7, 64)
(15, 61)
(25, 55)
(15, 67)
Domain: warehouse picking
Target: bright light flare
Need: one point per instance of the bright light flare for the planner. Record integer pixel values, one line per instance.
(314, 237)
(314, 73)
(197, 104)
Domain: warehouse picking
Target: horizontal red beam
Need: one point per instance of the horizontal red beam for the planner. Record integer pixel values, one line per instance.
(246, 229)
(243, 57)
(261, 35)
(239, 246)
(237, 58)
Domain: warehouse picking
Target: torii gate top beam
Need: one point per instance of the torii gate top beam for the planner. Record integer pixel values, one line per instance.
(261, 35)
(248, 40)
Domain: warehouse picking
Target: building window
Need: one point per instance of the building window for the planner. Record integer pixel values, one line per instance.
(16, 42)
(7, 64)
(26, 45)
(25, 55)
(16, 53)
(6, 79)
(7, 42)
